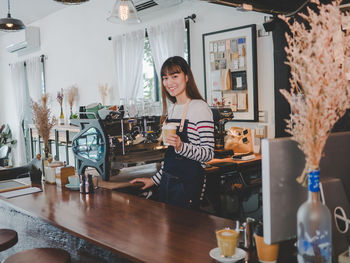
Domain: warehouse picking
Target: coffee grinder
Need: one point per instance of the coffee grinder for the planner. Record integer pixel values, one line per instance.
(221, 116)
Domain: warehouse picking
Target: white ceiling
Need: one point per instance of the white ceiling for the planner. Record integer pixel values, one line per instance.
(30, 10)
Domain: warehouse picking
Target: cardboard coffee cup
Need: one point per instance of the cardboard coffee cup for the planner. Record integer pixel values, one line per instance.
(167, 131)
(227, 241)
(266, 253)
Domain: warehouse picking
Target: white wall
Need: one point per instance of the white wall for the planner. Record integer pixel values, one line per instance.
(75, 41)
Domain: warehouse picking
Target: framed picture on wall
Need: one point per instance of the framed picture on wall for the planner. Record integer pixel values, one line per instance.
(230, 71)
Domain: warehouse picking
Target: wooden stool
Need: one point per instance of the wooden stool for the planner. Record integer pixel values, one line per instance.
(40, 255)
(8, 238)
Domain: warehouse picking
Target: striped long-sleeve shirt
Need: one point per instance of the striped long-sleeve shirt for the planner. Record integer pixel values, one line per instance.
(200, 132)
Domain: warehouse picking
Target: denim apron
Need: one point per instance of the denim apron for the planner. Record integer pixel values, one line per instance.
(182, 178)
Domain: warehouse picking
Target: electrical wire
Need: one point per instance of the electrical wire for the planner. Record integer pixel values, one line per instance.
(298, 9)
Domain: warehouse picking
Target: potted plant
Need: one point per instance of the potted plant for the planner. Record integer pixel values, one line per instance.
(5, 140)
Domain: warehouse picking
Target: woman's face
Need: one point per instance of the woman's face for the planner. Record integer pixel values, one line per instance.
(175, 83)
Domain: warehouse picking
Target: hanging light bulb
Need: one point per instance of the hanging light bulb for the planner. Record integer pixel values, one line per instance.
(124, 11)
(10, 24)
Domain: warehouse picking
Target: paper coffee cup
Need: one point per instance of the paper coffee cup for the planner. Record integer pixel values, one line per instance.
(167, 131)
(227, 241)
(266, 253)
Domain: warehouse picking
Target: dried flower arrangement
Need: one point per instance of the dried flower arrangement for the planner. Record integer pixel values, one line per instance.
(103, 89)
(320, 90)
(72, 95)
(43, 119)
(60, 97)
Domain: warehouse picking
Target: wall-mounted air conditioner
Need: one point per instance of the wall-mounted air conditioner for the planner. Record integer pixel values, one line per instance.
(30, 42)
(153, 5)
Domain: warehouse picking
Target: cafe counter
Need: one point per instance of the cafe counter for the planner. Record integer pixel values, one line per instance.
(109, 226)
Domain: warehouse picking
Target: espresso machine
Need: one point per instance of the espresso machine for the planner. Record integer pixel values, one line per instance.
(116, 142)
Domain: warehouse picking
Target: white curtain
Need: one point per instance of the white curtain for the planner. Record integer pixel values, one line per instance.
(34, 74)
(18, 76)
(128, 53)
(166, 40)
(34, 71)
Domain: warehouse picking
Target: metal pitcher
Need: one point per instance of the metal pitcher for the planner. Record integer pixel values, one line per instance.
(86, 184)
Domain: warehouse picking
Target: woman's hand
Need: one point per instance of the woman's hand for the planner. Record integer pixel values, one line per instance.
(148, 182)
(174, 140)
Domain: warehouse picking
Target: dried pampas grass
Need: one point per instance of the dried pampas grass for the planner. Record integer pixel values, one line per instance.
(320, 92)
(72, 95)
(103, 89)
(43, 119)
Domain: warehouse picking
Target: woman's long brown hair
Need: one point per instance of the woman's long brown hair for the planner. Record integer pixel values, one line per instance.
(177, 65)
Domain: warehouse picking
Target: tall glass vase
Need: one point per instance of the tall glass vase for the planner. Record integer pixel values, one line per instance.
(61, 117)
(70, 116)
(45, 161)
(314, 226)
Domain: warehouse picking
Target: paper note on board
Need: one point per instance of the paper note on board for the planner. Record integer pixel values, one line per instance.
(221, 47)
(242, 101)
(215, 77)
(239, 82)
(234, 102)
(240, 50)
(227, 101)
(234, 46)
(241, 62)
(230, 100)
(228, 44)
(235, 64)
(212, 57)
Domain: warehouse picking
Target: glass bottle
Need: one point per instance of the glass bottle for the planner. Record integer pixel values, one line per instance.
(71, 113)
(45, 161)
(314, 226)
(61, 117)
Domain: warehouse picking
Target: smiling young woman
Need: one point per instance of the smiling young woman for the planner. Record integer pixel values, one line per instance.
(182, 174)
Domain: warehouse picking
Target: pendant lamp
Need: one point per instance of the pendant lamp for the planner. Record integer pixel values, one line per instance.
(71, 2)
(10, 24)
(124, 12)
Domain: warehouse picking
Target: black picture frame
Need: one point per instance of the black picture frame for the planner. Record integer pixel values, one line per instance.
(230, 71)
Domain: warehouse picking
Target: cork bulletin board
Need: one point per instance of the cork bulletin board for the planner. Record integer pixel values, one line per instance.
(230, 70)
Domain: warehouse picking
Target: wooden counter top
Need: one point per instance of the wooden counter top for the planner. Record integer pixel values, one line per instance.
(137, 229)
(230, 160)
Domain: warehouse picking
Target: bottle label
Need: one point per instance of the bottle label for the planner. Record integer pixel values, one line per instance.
(314, 181)
(316, 248)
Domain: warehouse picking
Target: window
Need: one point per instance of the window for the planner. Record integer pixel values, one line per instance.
(150, 79)
(151, 83)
